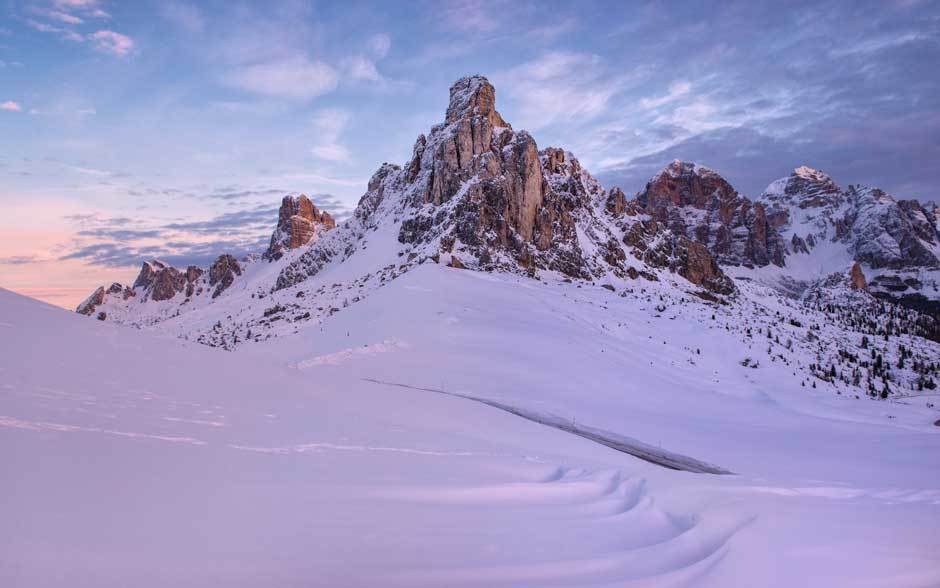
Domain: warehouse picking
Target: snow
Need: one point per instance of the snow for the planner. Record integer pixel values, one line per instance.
(135, 458)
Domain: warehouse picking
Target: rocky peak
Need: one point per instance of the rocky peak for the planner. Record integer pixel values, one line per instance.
(148, 273)
(471, 97)
(299, 222)
(695, 201)
(684, 183)
(477, 194)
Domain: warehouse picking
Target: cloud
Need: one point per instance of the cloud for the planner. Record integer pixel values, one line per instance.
(63, 17)
(10, 105)
(186, 16)
(361, 68)
(328, 125)
(112, 42)
(561, 87)
(104, 40)
(677, 90)
(470, 15)
(88, 7)
(123, 241)
(234, 193)
(19, 260)
(67, 34)
(296, 78)
(379, 45)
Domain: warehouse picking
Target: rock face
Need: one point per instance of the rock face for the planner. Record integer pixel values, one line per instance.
(160, 281)
(299, 223)
(660, 247)
(222, 273)
(492, 173)
(695, 201)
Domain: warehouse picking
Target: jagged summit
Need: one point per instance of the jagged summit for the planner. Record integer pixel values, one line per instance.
(299, 222)
(479, 194)
(473, 96)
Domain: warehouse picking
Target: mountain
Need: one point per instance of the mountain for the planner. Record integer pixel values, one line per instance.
(695, 201)
(476, 194)
(896, 242)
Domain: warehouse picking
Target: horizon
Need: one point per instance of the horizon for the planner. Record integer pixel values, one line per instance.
(172, 130)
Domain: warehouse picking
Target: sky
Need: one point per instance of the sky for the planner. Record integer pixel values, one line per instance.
(171, 129)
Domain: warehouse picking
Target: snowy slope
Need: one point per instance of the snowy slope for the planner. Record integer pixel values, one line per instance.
(132, 458)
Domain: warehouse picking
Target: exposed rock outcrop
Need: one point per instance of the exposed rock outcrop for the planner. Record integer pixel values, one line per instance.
(299, 222)
(222, 273)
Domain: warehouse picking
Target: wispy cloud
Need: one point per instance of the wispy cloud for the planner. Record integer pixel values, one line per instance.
(677, 90)
(11, 106)
(184, 15)
(91, 8)
(112, 42)
(471, 15)
(296, 78)
(104, 40)
(561, 86)
(328, 126)
(122, 241)
(67, 34)
(379, 45)
(63, 17)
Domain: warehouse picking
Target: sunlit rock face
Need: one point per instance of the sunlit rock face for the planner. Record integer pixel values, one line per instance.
(299, 222)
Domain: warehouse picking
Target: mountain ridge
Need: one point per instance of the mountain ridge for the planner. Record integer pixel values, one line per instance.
(477, 194)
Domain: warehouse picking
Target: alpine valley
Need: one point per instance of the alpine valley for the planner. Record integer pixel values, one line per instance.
(498, 371)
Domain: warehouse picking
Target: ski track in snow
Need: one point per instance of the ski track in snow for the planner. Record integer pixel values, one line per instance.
(638, 449)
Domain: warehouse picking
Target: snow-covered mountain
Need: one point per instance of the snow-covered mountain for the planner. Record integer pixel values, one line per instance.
(478, 195)
(895, 242)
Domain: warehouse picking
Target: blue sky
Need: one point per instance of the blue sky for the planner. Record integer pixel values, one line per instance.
(172, 128)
